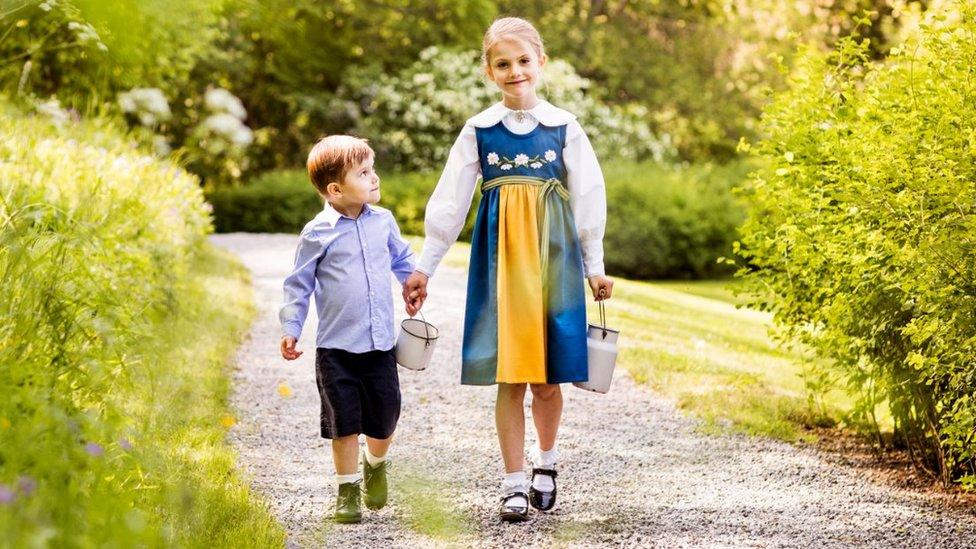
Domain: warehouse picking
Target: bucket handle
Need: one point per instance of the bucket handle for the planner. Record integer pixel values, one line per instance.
(426, 330)
(603, 313)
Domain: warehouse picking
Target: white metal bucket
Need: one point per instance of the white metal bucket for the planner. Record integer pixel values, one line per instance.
(601, 351)
(415, 343)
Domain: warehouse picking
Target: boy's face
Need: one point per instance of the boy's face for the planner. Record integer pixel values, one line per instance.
(360, 186)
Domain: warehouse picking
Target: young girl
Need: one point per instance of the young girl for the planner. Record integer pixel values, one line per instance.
(539, 230)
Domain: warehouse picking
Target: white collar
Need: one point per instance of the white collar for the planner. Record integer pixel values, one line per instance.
(331, 215)
(545, 112)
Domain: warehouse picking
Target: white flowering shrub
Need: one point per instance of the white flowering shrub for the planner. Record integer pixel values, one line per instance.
(147, 105)
(208, 131)
(413, 117)
(217, 147)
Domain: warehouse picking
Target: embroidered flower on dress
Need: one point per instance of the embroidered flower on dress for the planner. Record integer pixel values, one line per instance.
(521, 159)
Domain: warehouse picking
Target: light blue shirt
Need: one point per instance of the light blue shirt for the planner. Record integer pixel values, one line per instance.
(347, 263)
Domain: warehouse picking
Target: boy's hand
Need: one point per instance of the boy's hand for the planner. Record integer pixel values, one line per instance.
(415, 292)
(602, 287)
(288, 348)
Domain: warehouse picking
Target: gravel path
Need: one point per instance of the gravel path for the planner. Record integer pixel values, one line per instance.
(634, 471)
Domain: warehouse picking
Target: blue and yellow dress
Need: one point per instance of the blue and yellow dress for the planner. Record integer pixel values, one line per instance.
(525, 315)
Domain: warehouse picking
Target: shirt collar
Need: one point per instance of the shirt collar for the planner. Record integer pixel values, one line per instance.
(545, 112)
(331, 216)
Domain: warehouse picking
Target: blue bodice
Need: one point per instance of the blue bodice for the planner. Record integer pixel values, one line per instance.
(538, 153)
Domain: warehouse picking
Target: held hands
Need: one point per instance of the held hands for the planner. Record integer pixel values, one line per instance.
(602, 287)
(288, 351)
(415, 292)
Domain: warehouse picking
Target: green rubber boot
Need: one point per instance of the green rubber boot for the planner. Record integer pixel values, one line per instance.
(374, 478)
(347, 510)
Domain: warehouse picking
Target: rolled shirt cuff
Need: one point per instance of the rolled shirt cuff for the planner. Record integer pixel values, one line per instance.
(292, 330)
(596, 270)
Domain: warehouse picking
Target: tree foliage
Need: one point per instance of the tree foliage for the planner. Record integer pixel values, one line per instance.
(700, 67)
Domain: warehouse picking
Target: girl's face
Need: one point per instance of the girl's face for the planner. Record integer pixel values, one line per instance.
(515, 68)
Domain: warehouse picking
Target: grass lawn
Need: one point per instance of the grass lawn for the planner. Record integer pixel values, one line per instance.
(687, 340)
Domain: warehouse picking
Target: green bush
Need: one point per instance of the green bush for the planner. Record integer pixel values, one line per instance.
(863, 228)
(97, 241)
(275, 202)
(663, 222)
(284, 201)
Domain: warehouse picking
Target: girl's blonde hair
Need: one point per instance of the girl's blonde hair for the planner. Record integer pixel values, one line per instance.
(508, 28)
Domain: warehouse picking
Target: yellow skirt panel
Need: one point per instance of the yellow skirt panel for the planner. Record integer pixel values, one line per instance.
(521, 316)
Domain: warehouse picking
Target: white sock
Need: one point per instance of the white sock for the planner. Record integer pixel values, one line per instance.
(372, 460)
(346, 479)
(544, 459)
(517, 481)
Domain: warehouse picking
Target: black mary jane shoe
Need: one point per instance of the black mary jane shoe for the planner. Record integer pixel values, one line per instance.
(543, 500)
(514, 513)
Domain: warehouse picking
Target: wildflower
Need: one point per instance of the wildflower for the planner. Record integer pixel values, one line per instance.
(284, 390)
(52, 109)
(26, 485)
(6, 494)
(87, 33)
(125, 444)
(94, 449)
(228, 420)
(161, 146)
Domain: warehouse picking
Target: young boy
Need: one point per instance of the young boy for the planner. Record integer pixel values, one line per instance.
(345, 255)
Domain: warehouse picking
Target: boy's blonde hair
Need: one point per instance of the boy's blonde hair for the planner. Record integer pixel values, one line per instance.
(333, 156)
(507, 28)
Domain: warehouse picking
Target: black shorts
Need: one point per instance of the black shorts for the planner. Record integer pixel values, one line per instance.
(360, 392)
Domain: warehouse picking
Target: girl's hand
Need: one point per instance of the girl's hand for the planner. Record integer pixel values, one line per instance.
(288, 351)
(602, 287)
(415, 292)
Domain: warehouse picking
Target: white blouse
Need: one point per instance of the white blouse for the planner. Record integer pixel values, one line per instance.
(448, 206)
